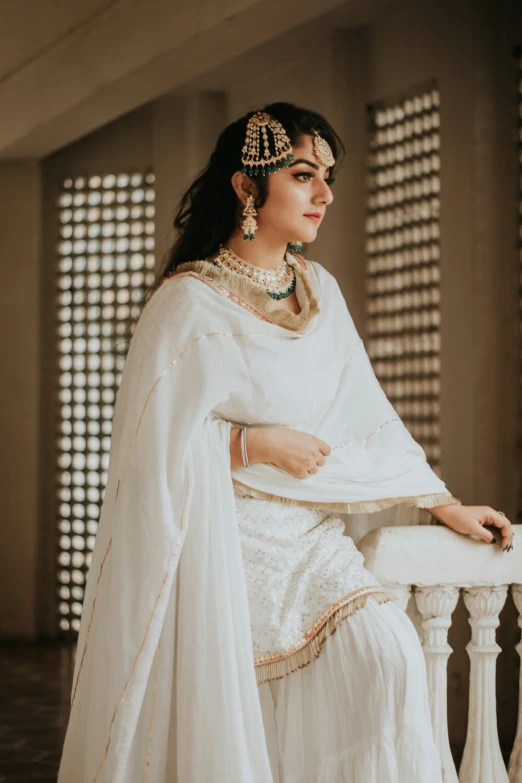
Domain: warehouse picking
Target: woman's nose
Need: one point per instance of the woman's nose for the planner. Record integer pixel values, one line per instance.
(325, 196)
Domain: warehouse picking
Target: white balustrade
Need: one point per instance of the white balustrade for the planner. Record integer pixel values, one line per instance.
(482, 759)
(400, 594)
(435, 564)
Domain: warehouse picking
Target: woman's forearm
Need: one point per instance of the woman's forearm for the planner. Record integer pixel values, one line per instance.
(254, 444)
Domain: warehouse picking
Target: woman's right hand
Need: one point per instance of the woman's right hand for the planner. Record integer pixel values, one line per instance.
(293, 451)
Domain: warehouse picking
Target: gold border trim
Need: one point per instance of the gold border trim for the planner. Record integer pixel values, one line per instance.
(352, 352)
(301, 261)
(275, 666)
(369, 506)
(90, 622)
(390, 421)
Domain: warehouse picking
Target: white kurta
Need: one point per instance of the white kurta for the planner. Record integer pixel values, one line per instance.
(359, 711)
(303, 577)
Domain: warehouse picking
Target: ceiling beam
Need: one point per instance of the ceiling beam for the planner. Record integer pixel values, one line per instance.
(131, 54)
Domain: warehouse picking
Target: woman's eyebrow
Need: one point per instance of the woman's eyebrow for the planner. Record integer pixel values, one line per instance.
(309, 162)
(303, 160)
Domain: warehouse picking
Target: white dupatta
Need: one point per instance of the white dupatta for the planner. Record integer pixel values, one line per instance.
(164, 687)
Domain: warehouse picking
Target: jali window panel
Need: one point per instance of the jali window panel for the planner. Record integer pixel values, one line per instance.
(403, 260)
(105, 264)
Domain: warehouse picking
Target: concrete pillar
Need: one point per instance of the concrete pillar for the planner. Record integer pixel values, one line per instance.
(350, 86)
(185, 130)
(19, 415)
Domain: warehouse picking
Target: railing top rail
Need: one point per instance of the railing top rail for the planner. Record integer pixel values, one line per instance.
(427, 555)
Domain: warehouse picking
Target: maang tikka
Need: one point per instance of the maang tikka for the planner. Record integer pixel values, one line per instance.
(323, 150)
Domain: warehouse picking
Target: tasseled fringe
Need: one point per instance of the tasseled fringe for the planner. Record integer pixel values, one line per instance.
(368, 506)
(276, 670)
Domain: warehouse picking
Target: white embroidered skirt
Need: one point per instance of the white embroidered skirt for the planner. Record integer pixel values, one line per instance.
(353, 706)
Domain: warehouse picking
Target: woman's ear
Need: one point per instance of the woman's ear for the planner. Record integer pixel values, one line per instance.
(243, 186)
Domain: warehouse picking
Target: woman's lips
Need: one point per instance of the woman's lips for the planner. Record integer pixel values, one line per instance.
(317, 218)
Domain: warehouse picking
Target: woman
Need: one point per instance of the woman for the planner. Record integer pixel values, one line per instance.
(248, 422)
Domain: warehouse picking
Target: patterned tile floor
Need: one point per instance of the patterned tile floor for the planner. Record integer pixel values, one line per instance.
(35, 684)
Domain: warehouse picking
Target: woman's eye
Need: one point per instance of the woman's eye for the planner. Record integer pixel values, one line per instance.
(309, 175)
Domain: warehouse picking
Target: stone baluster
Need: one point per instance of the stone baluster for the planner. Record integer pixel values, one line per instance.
(400, 594)
(482, 760)
(515, 762)
(436, 605)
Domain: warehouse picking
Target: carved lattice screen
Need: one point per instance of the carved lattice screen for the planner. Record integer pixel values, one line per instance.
(105, 262)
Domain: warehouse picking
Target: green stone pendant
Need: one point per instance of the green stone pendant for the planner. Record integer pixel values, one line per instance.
(286, 293)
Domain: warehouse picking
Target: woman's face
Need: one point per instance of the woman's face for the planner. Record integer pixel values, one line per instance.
(294, 192)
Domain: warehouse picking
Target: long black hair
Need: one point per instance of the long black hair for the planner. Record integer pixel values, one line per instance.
(207, 213)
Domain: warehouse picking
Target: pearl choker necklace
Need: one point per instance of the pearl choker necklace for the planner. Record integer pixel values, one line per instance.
(278, 283)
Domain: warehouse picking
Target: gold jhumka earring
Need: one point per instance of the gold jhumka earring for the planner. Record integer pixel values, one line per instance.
(249, 224)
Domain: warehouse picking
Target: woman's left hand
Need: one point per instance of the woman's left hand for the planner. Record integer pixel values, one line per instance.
(471, 521)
